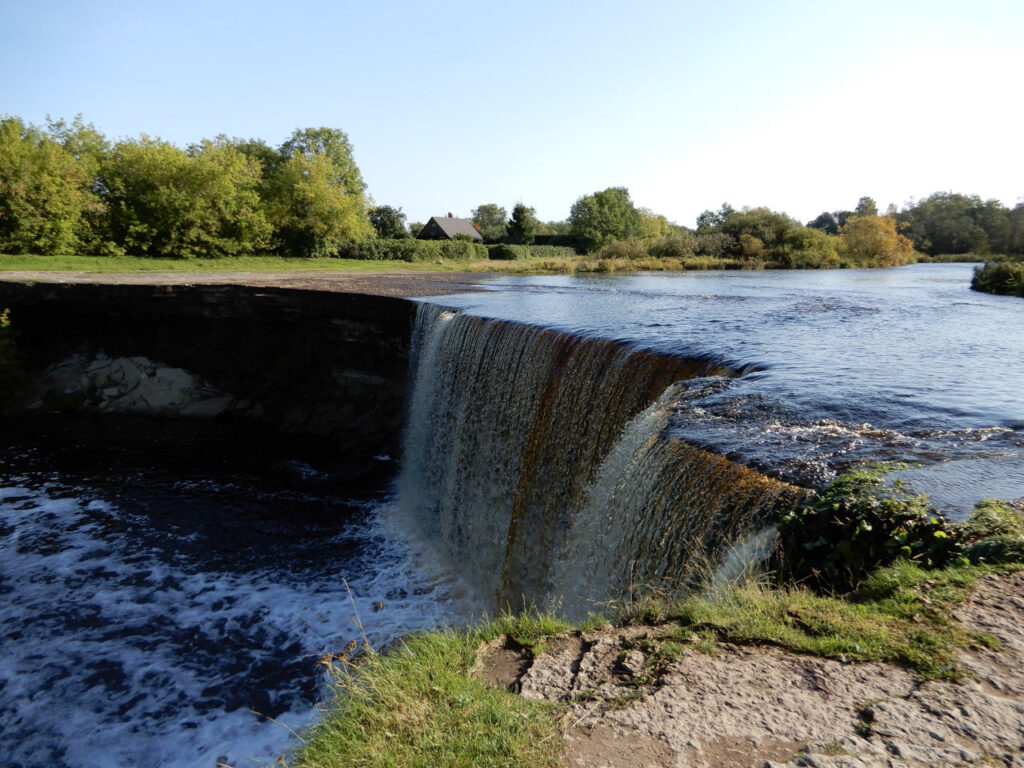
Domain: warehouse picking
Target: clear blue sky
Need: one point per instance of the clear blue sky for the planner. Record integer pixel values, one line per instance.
(799, 106)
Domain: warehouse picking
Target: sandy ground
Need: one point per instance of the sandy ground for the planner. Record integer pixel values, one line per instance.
(760, 707)
(401, 284)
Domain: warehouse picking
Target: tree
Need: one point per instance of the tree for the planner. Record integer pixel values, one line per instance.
(388, 222)
(874, 241)
(46, 194)
(315, 196)
(203, 202)
(335, 146)
(866, 207)
(713, 219)
(491, 221)
(807, 248)
(827, 222)
(523, 226)
(764, 224)
(311, 212)
(654, 226)
(947, 222)
(604, 217)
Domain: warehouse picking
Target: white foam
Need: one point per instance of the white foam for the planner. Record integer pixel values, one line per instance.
(116, 655)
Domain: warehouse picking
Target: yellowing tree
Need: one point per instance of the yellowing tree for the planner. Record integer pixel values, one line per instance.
(874, 241)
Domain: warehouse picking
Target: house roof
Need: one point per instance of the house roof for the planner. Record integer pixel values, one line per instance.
(452, 226)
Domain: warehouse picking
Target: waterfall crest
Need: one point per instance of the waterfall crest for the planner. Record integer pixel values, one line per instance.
(534, 463)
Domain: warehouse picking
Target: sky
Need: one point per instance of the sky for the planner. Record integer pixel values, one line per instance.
(802, 107)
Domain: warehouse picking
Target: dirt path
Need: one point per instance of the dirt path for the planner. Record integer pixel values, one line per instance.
(401, 284)
(765, 708)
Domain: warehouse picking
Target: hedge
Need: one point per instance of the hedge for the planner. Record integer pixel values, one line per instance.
(409, 249)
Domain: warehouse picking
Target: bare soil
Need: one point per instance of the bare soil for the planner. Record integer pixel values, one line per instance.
(400, 284)
(762, 707)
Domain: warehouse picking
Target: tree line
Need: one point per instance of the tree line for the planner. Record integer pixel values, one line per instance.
(65, 188)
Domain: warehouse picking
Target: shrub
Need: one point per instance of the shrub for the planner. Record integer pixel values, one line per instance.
(407, 249)
(995, 532)
(1002, 277)
(506, 252)
(713, 244)
(462, 250)
(624, 249)
(808, 248)
(551, 251)
(677, 246)
(855, 525)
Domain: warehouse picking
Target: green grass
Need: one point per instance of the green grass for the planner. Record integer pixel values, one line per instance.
(902, 614)
(119, 264)
(577, 265)
(418, 706)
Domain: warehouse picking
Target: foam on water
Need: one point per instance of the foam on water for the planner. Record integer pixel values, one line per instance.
(122, 644)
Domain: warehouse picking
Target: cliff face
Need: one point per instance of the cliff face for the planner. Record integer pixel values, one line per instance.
(311, 362)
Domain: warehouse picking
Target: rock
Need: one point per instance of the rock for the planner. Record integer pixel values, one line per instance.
(634, 662)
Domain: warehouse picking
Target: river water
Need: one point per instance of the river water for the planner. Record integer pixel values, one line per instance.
(838, 366)
(166, 597)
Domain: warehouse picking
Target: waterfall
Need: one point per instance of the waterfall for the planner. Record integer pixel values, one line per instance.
(535, 465)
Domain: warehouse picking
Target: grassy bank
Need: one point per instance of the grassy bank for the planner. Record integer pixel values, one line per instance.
(419, 704)
(590, 264)
(542, 265)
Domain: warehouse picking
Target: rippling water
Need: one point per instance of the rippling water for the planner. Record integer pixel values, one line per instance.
(160, 609)
(839, 366)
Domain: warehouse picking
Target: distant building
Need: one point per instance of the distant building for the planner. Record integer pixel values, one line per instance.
(447, 227)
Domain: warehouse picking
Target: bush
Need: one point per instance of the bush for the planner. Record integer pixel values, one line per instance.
(407, 249)
(1002, 277)
(856, 525)
(551, 251)
(995, 533)
(624, 249)
(807, 248)
(506, 252)
(677, 246)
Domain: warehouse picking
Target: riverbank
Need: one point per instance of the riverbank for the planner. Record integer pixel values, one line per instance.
(692, 691)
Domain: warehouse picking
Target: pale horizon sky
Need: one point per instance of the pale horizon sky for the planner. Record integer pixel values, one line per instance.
(802, 107)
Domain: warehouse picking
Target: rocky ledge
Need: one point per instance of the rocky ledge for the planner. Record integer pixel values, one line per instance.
(724, 706)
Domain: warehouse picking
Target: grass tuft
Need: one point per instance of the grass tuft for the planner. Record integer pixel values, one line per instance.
(418, 706)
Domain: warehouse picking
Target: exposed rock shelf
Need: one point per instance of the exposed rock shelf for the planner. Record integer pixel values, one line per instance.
(760, 707)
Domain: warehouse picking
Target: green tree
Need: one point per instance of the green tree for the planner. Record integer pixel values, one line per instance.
(491, 221)
(807, 248)
(523, 226)
(388, 222)
(827, 222)
(866, 206)
(203, 202)
(762, 224)
(710, 220)
(604, 217)
(332, 143)
(654, 226)
(312, 213)
(947, 222)
(314, 196)
(46, 194)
